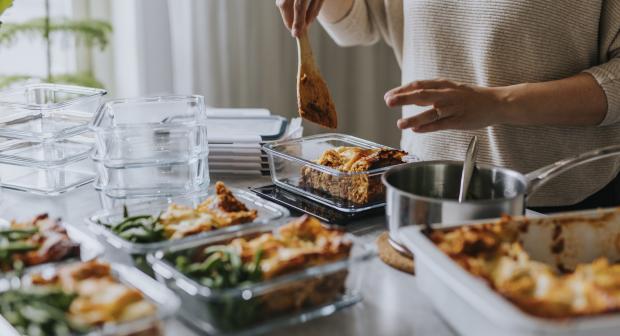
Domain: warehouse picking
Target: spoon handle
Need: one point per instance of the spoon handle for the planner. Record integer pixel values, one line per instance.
(468, 167)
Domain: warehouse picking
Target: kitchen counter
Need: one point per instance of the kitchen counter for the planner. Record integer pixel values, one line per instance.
(392, 305)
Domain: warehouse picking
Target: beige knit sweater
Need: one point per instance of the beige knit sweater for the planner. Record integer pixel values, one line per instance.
(496, 43)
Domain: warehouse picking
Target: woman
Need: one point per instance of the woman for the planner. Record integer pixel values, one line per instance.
(537, 81)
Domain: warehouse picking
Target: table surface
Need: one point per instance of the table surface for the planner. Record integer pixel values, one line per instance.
(392, 304)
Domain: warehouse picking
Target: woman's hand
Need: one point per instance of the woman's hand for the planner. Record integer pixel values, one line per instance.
(451, 105)
(299, 14)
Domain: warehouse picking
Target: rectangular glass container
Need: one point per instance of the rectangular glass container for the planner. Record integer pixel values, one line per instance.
(162, 180)
(240, 309)
(90, 248)
(46, 154)
(135, 253)
(165, 301)
(151, 131)
(48, 181)
(47, 111)
(287, 160)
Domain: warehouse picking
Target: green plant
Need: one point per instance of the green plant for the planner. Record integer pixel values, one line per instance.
(4, 4)
(90, 33)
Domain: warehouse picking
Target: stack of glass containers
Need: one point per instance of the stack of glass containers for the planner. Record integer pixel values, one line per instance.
(151, 147)
(43, 149)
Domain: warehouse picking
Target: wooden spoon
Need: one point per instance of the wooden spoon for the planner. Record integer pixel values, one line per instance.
(314, 101)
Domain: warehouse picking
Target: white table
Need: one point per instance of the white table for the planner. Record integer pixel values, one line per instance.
(393, 304)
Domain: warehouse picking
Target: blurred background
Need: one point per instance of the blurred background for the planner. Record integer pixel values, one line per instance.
(236, 53)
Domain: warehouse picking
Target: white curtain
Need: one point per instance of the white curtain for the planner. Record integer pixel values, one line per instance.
(237, 53)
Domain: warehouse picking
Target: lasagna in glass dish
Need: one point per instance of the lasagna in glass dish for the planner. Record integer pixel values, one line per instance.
(356, 188)
(495, 252)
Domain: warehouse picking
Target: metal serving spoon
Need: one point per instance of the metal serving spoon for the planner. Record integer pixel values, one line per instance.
(468, 167)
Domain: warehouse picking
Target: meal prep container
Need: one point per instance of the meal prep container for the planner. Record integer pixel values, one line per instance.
(135, 253)
(293, 155)
(473, 308)
(45, 112)
(165, 301)
(230, 310)
(424, 193)
(90, 248)
(152, 146)
(47, 180)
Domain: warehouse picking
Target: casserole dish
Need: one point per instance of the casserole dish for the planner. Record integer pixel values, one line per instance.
(284, 291)
(294, 166)
(144, 304)
(132, 252)
(561, 241)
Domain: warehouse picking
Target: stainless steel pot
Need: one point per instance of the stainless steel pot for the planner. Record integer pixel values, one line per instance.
(426, 192)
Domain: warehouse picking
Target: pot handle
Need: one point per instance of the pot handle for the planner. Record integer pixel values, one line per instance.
(540, 177)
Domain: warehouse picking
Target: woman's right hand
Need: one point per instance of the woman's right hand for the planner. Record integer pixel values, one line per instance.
(299, 14)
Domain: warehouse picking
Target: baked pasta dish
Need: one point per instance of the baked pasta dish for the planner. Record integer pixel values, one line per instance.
(248, 260)
(179, 221)
(76, 299)
(35, 242)
(358, 189)
(493, 252)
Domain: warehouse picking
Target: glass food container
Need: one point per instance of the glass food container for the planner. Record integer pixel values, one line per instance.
(46, 112)
(152, 146)
(45, 179)
(292, 162)
(265, 305)
(135, 253)
(90, 248)
(165, 301)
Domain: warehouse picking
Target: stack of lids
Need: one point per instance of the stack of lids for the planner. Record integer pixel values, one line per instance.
(236, 136)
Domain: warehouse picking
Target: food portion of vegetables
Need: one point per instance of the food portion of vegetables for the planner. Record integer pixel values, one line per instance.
(35, 242)
(76, 299)
(253, 259)
(178, 221)
(40, 311)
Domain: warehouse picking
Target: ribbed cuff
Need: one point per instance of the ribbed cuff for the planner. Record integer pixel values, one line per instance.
(608, 77)
(354, 29)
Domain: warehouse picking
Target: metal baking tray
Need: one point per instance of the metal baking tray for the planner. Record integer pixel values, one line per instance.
(473, 308)
(227, 311)
(166, 302)
(287, 158)
(135, 253)
(303, 205)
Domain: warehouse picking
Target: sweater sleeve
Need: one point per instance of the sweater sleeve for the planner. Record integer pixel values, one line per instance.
(367, 22)
(607, 73)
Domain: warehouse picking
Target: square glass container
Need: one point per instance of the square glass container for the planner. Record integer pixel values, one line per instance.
(266, 305)
(293, 161)
(135, 253)
(47, 154)
(47, 111)
(165, 301)
(44, 180)
(143, 181)
(151, 131)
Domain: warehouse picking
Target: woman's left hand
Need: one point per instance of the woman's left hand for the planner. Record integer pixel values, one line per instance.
(451, 105)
